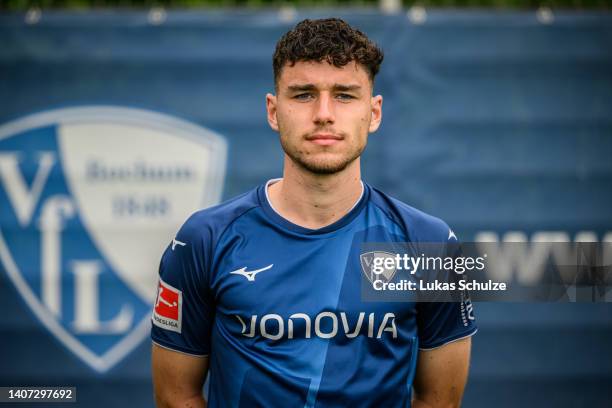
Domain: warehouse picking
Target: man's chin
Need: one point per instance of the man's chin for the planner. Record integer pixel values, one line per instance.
(322, 162)
(324, 167)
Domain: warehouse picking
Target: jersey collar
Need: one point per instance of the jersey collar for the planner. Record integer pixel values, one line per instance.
(273, 215)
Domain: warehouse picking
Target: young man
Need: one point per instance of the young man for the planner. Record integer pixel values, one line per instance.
(265, 289)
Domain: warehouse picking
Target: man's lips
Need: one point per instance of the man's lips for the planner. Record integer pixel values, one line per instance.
(324, 139)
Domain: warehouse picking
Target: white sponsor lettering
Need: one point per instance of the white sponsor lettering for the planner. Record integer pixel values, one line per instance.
(325, 326)
(334, 329)
(345, 325)
(264, 331)
(307, 323)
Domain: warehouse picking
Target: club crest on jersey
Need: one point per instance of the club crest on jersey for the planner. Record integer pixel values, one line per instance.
(89, 198)
(367, 263)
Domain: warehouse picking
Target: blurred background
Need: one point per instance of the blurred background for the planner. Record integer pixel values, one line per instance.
(119, 118)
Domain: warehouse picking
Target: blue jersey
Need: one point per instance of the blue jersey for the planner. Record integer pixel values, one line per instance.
(278, 307)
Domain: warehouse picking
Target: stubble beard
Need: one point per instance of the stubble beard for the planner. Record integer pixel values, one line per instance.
(320, 166)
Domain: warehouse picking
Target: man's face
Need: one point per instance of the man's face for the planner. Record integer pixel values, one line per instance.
(324, 114)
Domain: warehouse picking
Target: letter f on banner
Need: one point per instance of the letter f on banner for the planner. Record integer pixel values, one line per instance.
(24, 200)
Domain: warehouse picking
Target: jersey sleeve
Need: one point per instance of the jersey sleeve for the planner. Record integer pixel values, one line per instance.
(184, 310)
(440, 323)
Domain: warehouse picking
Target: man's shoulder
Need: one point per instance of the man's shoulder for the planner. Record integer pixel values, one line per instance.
(418, 225)
(213, 220)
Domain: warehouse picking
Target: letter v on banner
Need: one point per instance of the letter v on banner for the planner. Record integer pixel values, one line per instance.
(22, 199)
(82, 247)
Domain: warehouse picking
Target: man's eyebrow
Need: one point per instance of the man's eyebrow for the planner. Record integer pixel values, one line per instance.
(346, 88)
(298, 88)
(335, 87)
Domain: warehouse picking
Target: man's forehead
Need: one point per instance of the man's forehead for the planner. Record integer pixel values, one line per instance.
(323, 74)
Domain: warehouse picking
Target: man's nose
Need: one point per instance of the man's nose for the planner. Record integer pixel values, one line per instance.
(324, 109)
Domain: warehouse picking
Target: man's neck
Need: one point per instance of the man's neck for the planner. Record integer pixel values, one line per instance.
(312, 200)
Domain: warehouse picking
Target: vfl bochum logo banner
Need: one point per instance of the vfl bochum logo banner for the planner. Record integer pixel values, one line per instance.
(89, 199)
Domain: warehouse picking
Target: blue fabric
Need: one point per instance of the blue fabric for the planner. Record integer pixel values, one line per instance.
(301, 326)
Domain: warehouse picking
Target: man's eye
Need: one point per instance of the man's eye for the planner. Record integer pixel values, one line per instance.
(302, 96)
(345, 96)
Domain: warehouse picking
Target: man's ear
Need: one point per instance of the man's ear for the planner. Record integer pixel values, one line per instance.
(376, 108)
(271, 109)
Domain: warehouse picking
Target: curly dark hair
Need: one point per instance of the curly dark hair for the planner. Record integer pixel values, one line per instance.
(330, 39)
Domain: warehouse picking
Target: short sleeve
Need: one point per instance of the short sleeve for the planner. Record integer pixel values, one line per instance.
(439, 323)
(184, 310)
(443, 322)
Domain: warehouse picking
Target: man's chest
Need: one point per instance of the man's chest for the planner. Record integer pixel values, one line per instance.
(301, 289)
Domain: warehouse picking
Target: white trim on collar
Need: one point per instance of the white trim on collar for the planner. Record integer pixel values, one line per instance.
(275, 180)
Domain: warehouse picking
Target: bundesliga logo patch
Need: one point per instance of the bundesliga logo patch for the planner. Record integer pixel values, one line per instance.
(167, 313)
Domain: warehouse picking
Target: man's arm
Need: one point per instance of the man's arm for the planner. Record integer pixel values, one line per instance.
(178, 378)
(441, 375)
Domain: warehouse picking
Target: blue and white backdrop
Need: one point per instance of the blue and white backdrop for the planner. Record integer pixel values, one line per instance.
(115, 126)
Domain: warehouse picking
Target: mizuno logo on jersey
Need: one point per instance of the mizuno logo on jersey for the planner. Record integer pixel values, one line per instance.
(326, 325)
(250, 275)
(167, 313)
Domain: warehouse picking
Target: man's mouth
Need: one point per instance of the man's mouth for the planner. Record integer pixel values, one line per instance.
(324, 139)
